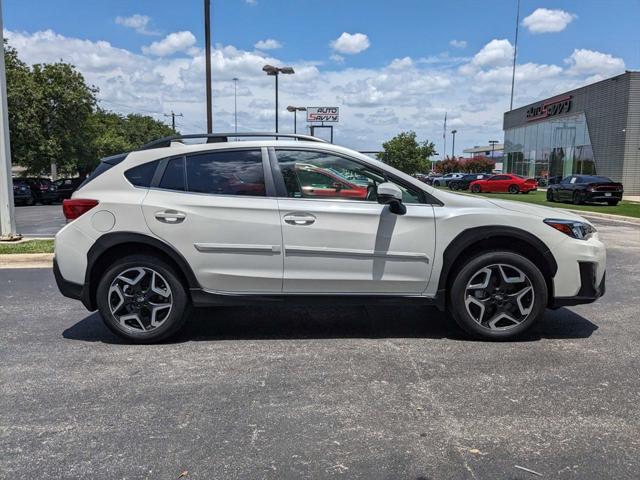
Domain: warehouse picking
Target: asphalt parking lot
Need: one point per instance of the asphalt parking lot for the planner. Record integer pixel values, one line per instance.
(39, 220)
(277, 392)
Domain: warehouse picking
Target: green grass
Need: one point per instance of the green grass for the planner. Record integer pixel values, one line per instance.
(30, 246)
(627, 209)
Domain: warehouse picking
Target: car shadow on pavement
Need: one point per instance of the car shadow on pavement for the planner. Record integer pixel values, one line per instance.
(268, 323)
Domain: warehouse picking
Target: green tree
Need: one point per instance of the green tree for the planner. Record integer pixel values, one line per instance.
(54, 118)
(67, 103)
(405, 153)
(449, 165)
(24, 99)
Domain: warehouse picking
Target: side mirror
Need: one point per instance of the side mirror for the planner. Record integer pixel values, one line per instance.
(337, 186)
(390, 194)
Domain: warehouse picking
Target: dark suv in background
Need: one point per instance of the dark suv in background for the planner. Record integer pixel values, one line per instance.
(21, 192)
(66, 186)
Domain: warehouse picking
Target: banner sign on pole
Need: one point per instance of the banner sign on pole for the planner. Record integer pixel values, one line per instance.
(323, 114)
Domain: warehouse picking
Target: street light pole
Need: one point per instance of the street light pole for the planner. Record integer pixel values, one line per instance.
(453, 147)
(515, 53)
(295, 111)
(235, 102)
(7, 219)
(275, 72)
(493, 146)
(207, 48)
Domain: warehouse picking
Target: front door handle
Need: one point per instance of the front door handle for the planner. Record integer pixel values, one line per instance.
(170, 216)
(299, 219)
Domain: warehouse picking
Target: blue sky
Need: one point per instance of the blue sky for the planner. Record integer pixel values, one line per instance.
(390, 66)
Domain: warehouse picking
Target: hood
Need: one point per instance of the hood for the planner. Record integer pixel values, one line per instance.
(537, 210)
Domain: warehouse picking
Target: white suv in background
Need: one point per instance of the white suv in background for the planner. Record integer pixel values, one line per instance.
(294, 219)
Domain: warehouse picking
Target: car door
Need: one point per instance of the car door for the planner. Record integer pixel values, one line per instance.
(565, 190)
(218, 210)
(348, 245)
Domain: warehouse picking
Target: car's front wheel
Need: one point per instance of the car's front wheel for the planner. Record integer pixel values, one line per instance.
(497, 295)
(550, 197)
(475, 188)
(142, 299)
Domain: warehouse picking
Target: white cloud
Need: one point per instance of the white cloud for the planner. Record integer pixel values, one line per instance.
(458, 43)
(590, 62)
(139, 23)
(401, 63)
(172, 43)
(350, 44)
(252, 2)
(496, 53)
(268, 44)
(337, 58)
(376, 103)
(543, 20)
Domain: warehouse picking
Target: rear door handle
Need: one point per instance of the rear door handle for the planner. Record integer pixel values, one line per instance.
(170, 216)
(299, 219)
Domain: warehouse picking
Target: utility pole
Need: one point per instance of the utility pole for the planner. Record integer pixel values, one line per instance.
(515, 54)
(7, 218)
(207, 48)
(173, 119)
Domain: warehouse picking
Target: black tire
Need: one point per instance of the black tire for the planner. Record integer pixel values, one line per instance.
(612, 203)
(471, 268)
(180, 303)
(514, 189)
(526, 192)
(31, 201)
(436, 183)
(550, 197)
(476, 188)
(577, 198)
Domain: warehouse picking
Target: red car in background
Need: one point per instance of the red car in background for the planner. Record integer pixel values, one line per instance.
(504, 183)
(320, 182)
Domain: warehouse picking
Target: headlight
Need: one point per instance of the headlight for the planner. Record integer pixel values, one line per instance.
(572, 228)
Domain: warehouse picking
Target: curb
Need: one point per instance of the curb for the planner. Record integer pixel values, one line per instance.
(606, 216)
(26, 260)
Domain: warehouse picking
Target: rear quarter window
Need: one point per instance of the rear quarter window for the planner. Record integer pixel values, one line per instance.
(142, 175)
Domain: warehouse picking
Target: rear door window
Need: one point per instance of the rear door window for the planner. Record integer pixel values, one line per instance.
(173, 176)
(229, 172)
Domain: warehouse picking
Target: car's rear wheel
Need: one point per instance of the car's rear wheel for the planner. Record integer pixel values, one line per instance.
(142, 299)
(514, 189)
(476, 188)
(497, 295)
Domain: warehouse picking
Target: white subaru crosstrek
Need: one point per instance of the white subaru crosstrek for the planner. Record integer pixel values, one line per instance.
(294, 219)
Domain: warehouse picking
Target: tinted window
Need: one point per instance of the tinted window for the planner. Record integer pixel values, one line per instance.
(173, 176)
(309, 174)
(500, 177)
(142, 175)
(226, 173)
(593, 179)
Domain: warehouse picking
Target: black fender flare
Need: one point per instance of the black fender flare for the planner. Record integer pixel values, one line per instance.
(110, 240)
(471, 236)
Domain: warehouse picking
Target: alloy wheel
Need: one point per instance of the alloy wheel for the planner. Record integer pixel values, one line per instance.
(499, 297)
(140, 299)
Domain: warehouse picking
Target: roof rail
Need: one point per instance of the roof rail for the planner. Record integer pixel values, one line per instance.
(223, 137)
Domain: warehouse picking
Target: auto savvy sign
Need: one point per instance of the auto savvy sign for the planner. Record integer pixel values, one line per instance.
(323, 114)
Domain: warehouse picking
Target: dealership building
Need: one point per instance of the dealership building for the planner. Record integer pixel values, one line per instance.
(591, 130)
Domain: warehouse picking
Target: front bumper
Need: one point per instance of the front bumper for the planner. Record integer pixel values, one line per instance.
(590, 290)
